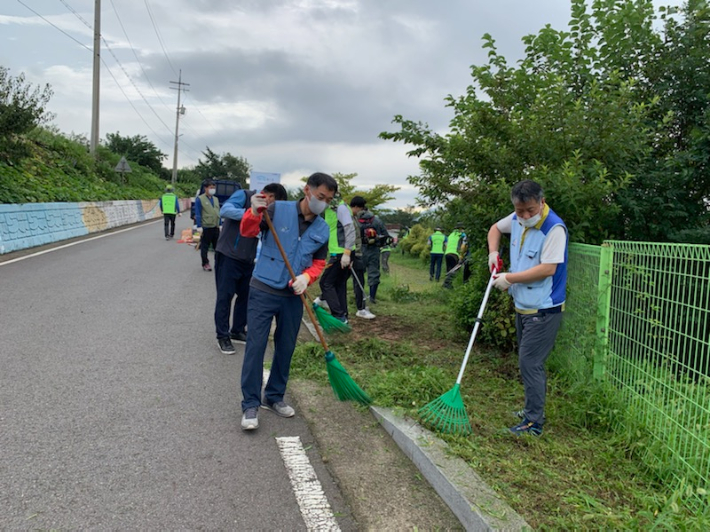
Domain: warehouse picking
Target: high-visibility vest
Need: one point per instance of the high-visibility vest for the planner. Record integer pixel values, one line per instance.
(452, 244)
(437, 242)
(336, 231)
(167, 203)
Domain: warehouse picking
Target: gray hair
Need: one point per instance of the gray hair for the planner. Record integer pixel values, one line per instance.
(525, 191)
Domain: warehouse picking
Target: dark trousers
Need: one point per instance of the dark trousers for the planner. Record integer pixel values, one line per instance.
(536, 335)
(232, 277)
(385, 256)
(451, 260)
(358, 270)
(169, 221)
(210, 235)
(263, 307)
(435, 265)
(334, 286)
(371, 258)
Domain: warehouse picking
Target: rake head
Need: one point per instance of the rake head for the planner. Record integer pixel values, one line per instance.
(344, 387)
(328, 323)
(447, 413)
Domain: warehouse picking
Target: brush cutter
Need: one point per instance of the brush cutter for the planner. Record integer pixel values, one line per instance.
(365, 295)
(448, 413)
(344, 387)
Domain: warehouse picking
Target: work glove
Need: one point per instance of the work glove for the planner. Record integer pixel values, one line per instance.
(501, 282)
(495, 263)
(345, 261)
(300, 284)
(199, 230)
(258, 203)
(179, 215)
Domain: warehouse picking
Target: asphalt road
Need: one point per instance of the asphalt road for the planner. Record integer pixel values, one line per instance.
(117, 410)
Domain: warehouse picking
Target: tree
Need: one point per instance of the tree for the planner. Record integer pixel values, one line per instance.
(22, 108)
(591, 114)
(375, 196)
(137, 149)
(225, 166)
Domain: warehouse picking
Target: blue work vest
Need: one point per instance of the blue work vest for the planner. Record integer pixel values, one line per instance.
(524, 254)
(270, 267)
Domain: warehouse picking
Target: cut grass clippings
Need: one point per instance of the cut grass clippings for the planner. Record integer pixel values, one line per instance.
(572, 477)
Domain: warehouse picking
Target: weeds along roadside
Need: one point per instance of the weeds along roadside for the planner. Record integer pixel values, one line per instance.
(581, 474)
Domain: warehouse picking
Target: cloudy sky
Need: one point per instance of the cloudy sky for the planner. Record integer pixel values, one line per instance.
(294, 86)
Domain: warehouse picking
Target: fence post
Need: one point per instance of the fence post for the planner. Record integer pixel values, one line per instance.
(606, 263)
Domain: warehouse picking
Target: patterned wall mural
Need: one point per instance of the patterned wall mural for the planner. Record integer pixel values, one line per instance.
(34, 224)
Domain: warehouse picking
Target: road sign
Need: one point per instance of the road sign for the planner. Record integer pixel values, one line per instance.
(122, 166)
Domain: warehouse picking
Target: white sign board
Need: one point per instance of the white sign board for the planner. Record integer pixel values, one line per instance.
(258, 180)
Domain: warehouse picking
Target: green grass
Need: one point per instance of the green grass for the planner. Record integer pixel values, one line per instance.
(579, 474)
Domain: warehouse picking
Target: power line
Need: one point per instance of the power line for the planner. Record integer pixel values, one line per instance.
(55, 26)
(160, 39)
(109, 70)
(136, 56)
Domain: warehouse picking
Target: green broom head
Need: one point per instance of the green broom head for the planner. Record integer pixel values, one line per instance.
(447, 414)
(344, 387)
(328, 323)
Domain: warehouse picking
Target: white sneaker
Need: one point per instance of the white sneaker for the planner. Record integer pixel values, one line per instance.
(322, 302)
(250, 419)
(365, 314)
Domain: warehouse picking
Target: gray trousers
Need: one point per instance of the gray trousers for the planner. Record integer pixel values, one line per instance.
(536, 335)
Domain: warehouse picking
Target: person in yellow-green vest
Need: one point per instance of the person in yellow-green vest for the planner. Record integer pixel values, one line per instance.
(207, 221)
(170, 207)
(437, 245)
(334, 281)
(454, 242)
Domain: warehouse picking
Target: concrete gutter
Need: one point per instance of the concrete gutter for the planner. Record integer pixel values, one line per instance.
(471, 500)
(475, 504)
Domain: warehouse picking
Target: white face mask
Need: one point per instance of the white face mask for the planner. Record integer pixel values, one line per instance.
(530, 222)
(316, 206)
(211, 191)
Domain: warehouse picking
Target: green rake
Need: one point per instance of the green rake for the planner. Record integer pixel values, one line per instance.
(447, 413)
(344, 387)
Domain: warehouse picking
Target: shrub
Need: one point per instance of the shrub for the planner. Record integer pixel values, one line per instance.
(498, 327)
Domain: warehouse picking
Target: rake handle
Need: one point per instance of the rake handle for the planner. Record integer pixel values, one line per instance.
(476, 327)
(293, 278)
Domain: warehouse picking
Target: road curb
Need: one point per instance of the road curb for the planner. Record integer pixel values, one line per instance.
(475, 504)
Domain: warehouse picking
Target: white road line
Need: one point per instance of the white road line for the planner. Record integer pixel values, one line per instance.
(74, 243)
(315, 508)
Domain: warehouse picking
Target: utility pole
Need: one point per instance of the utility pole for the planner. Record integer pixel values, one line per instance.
(94, 141)
(180, 111)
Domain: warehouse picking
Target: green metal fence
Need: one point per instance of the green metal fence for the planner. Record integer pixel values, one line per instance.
(639, 317)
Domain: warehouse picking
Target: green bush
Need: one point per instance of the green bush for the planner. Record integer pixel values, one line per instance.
(498, 327)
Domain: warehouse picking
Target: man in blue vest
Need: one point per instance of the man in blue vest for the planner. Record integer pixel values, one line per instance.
(233, 265)
(170, 207)
(537, 281)
(304, 235)
(207, 221)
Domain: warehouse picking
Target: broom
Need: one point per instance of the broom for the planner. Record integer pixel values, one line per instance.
(327, 321)
(344, 387)
(448, 413)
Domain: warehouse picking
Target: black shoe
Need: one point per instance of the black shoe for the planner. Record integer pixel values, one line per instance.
(225, 345)
(240, 338)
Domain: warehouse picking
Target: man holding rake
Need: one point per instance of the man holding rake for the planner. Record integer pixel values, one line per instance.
(303, 234)
(537, 281)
